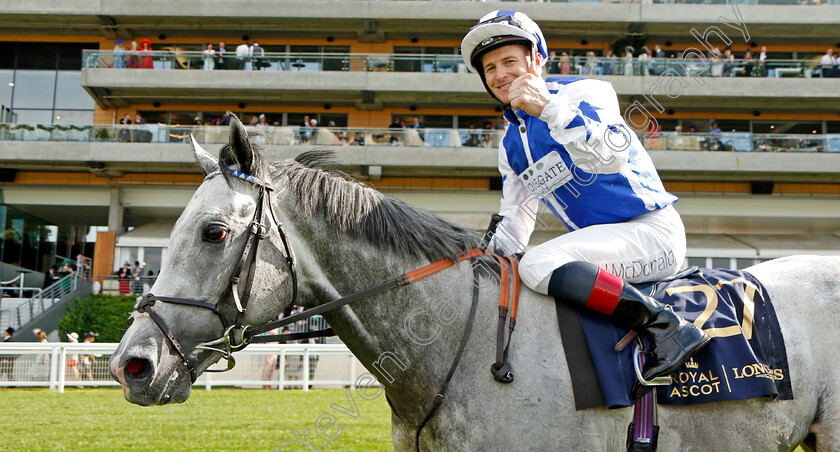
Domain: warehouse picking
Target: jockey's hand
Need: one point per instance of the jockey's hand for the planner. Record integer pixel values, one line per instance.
(529, 92)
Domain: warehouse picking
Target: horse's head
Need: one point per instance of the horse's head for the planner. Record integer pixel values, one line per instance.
(205, 287)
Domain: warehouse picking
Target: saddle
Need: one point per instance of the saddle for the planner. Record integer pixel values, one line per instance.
(746, 357)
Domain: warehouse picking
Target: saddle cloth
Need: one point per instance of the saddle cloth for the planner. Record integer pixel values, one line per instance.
(745, 358)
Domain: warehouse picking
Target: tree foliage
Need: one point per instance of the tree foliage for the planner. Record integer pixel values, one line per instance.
(107, 315)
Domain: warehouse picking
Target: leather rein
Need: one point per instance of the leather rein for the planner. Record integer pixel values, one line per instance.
(236, 336)
(231, 340)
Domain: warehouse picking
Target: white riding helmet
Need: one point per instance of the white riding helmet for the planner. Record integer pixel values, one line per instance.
(502, 27)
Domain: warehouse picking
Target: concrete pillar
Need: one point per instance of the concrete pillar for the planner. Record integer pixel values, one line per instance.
(115, 210)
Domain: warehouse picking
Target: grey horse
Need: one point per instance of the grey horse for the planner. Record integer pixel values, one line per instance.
(347, 237)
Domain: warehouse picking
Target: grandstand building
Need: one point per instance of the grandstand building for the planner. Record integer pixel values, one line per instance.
(74, 180)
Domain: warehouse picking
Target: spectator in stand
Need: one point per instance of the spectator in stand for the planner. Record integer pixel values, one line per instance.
(591, 67)
(717, 62)
(609, 63)
(125, 278)
(138, 119)
(137, 283)
(51, 276)
(148, 60)
(644, 61)
(658, 60)
(761, 69)
(827, 63)
(553, 63)
(305, 132)
(565, 64)
(728, 62)
(714, 143)
(133, 61)
(396, 134)
(209, 57)
(225, 121)
(242, 52)
(262, 124)
(124, 134)
(691, 129)
(258, 55)
(220, 62)
(82, 266)
(119, 54)
(749, 62)
(471, 137)
(66, 268)
(678, 129)
(628, 60)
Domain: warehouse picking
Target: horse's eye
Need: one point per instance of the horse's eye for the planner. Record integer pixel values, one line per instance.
(215, 233)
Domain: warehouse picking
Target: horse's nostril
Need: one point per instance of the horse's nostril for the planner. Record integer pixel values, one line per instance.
(137, 367)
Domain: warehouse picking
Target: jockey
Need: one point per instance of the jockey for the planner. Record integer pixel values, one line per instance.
(568, 147)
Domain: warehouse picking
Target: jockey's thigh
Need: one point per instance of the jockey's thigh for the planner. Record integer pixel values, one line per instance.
(647, 248)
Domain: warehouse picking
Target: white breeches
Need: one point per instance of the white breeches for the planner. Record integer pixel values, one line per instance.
(647, 248)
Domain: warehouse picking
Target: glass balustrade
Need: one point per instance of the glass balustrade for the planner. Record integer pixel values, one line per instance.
(409, 137)
(691, 65)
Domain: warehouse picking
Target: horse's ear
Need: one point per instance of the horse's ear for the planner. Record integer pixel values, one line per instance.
(240, 146)
(205, 160)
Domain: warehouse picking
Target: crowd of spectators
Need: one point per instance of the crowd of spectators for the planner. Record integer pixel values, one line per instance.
(249, 55)
(36, 367)
(719, 63)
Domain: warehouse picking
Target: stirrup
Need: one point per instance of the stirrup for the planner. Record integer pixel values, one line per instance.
(664, 380)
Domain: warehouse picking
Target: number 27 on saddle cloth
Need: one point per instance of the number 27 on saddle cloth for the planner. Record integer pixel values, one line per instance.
(746, 357)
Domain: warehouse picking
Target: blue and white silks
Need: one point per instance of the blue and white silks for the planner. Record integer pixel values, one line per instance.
(608, 175)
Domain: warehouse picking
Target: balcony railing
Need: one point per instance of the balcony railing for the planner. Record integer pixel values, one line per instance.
(576, 65)
(409, 137)
(295, 62)
(706, 2)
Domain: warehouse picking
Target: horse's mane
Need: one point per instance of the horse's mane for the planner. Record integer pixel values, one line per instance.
(353, 207)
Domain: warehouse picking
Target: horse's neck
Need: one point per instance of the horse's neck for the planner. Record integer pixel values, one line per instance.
(405, 336)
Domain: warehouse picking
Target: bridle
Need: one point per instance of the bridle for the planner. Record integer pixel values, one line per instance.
(236, 335)
(234, 331)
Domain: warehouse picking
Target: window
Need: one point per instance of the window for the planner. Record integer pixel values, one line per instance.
(69, 92)
(733, 125)
(33, 116)
(438, 121)
(34, 89)
(32, 55)
(6, 79)
(76, 117)
(786, 127)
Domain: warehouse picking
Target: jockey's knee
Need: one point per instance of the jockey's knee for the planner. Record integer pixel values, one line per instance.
(535, 269)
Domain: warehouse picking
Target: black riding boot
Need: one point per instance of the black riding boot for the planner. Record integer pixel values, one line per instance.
(673, 339)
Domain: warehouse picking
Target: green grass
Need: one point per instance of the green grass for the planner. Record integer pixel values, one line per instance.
(219, 420)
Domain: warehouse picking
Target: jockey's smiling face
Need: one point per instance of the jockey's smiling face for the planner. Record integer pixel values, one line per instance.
(504, 65)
